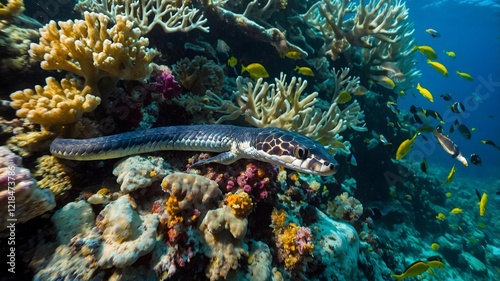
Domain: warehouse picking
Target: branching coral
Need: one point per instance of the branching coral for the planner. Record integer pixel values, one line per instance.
(10, 11)
(171, 15)
(380, 31)
(280, 105)
(90, 50)
(56, 103)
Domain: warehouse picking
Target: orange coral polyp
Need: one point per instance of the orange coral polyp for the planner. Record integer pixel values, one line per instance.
(173, 211)
(240, 202)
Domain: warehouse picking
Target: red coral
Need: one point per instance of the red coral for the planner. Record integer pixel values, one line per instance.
(165, 83)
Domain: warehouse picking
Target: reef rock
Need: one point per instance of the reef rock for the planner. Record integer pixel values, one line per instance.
(337, 245)
(126, 234)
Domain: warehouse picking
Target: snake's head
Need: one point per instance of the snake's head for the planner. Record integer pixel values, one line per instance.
(295, 152)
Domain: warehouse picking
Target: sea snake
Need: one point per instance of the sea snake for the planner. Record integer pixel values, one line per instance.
(273, 145)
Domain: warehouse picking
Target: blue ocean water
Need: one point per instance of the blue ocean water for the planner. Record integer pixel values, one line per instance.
(471, 29)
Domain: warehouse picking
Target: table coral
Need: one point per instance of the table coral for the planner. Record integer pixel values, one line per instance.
(87, 48)
(20, 197)
(126, 235)
(56, 103)
(139, 171)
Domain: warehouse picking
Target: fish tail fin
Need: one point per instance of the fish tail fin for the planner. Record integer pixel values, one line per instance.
(296, 68)
(243, 68)
(398, 277)
(415, 47)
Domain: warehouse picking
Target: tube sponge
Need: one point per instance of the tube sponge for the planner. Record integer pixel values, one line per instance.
(56, 103)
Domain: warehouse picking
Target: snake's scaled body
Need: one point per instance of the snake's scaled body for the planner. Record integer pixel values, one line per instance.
(271, 145)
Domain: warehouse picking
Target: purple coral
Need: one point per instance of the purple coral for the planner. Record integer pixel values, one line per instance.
(304, 238)
(165, 83)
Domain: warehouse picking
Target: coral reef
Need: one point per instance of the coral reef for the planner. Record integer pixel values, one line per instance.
(125, 234)
(54, 174)
(91, 50)
(56, 103)
(281, 105)
(20, 197)
(138, 172)
(67, 226)
(199, 75)
(379, 31)
(172, 16)
(223, 233)
(345, 207)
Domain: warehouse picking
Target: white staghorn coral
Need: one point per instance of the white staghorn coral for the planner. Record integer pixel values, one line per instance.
(172, 16)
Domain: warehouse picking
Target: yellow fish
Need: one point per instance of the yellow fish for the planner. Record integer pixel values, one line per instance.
(441, 217)
(448, 194)
(451, 54)
(402, 92)
(385, 82)
(304, 70)
(232, 61)
(456, 211)
(482, 204)
(412, 270)
(293, 55)
(360, 91)
(256, 70)
(343, 97)
(405, 147)
(427, 51)
(465, 76)
(435, 246)
(450, 175)
(439, 67)
(424, 92)
(435, 262)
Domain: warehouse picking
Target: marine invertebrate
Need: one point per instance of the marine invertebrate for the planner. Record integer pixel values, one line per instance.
(165, 83)
(75, 218)
(138, 172)
(89, 49)
(56, 103)
(20, 197)
(293, 242)
(54, 175)
(281, 105)
(14, 44)
(379, 31)
(199, 75)
(223, 233)
(125, 234)
(240, 202)
(172, 16)
(345, 207)
(10, 11)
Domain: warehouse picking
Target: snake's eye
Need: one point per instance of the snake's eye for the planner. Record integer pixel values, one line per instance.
(301, 152)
